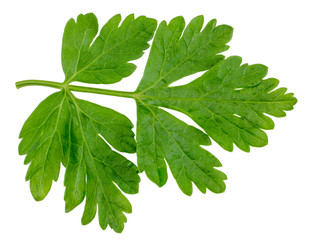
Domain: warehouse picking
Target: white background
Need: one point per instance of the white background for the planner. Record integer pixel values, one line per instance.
(267, 194)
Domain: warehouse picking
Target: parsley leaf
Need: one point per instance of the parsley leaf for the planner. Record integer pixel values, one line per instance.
(94, 168)
(175, 55)
(45, 142)
(106, 59)
(64, 129)
(230, 101)
(172, 57)
(69, 130)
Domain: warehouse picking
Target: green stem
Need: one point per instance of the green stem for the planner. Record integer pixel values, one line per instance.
(38, 83)
(102, 91)
(75, 88)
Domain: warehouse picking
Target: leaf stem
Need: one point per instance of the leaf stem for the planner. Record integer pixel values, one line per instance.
(44, 83)
(102, 91)
(75, 88)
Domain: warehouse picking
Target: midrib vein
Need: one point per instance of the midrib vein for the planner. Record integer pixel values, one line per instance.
(211, 99)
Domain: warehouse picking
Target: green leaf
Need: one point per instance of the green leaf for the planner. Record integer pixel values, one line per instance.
(161, 136)
(45, 143)
(76, 132)
(231, 103)
(113, 126)
(80, 134)
(174, 55)
(94, 167)
(177, 52)
(104, 59)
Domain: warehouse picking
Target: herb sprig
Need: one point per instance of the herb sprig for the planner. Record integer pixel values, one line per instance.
(229, 101)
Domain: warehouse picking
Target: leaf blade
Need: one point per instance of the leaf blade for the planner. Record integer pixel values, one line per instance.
(174, 56)
(229, 102)
(103, 169)
(187, 161)
(106, 59)
(42, 141)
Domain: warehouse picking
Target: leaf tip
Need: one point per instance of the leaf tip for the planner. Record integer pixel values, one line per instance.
(162, 181)
(68, 207)
(221, 35)
(234, 60)
(38, 195)
(210, 25)
(178, 21)
(199, 18)
(221, 188)
(87, 217)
